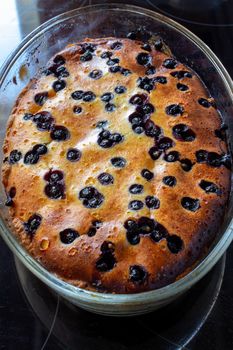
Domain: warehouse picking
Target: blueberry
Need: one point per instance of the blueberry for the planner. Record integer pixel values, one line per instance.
(174, 244)
(151, 70)
(106, 54)
(131, 225)
(54, 176)
(146, 47)
(77, 109)
(107, 96)
(136, 189)
(59, 133)
(41, 98)
(118, 162)
(172, 156)
(174, 110)
(106, 262)
(144, 59)
(164, 143)
(186, 164)
(117, 45)
(132, 237)
(112, 61)
(180, 74)
(169, 181)
(120, 89)
(154, 152)
(87, 192)
(31, 157)
(116, 138)
(214, 159)
(147, 108)
(92, 198)
(87, 56)
(43, 121)
(145, 225)
(97, 223)
(96, 74)
(68, 235)
(61, 72)
(145, 83)
(182, 87)
(73, 155)
(11, 194)
(138, 129)
(160, 80)
(210, 187)
(183, 133)
(88, 47)
(138, 99)
(147, 174)
(105, 179)
(15, 156)
(138, 274)
(54, 190)
(91, 232)
(88, 96)
(125, 71)
(170, 63)
(59, 85)
(201, 156)
(27, 116)
(132, 35)
(115, 69)
(158, 44)
(32, 224)
(158, 233)
(204, 102)
(151, 129)
(40, 149)
(110, 107)
(221, 133)
(135, 205)
(104, 134)
(59, 60)
(190, 204)
(105, 143)
(101, 124)
(152, 202)
(136, 118)
(77, 95)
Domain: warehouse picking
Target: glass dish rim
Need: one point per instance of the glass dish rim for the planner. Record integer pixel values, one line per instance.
(49, 278)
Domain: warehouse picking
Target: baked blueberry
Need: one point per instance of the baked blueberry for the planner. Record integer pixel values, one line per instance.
(107, 96)
(59, 60)
(87, 56)
(133, 237)
(183, 133)
(41, 98)
(59, 133)
(101, 124)
(182, 87)
(113, 61)
(204, 102)
(174, 244)
(15, 156)
(159, 232)
(73, 155)
(146, 47)
(137, 274)
(125, 71)
(170, 63)
(164, 143)
(135, 205)
(91, 232)
(131, 225)
(88, 96)
(214, 159)
(77, 95)
(117, 45)
(174, 110)
(154, 152)
(32, 225)
(31, 157)
(120, 89)
(158, 44)
(150, 71)
(147, 174)
(152, 202)
(55, 190)
(106, 54)
(96, 74)
(59, 85)
(43, 121)
(118, 162)
(77, 109)
(144, 59)
(27, 116)
(105, 179)
(54, 176)
(180, 74)
(110, 107)
(68, 235)
(160, 80)
(191, 204)
(136, 189)
(172, 156)
(210, 187)
(91, 197)
(201, 156)
(145, 83)
(186, 164)
(169, 181)
(114, 69)
(151, 129)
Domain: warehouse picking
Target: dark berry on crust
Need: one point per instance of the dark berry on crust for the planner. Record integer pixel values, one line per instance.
(117, 45)
(31, 157)
(118, 162)
(186, 164)
(144, 59)
(137, 274)
(172, 156)
(147, 174)
(54, 176)
(182, 87)
(55, 190)
(159, 232)
(41, 98)
(154, 152)
(183, 133)
(107, 96)
(15, 156)
(77, 95)
(73, 155)
(59, 85)
(96, 74)
(136, 189)
(152, 202)
(33, 223)
(105, 179)
(204, 102)
(59, 133)
(88, 96)
(43, 121)
(174, 110)
(120, 89)
(169, 181)
(68, 235)
(170, 63)
(77, 109)
(180, 74)
(40, 149)
(191, 204)
(135, 205)
(91, 197)
(210, 187)
(107, 260)
(174, 244)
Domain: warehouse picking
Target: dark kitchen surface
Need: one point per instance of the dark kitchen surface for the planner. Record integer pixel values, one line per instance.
(33, 318)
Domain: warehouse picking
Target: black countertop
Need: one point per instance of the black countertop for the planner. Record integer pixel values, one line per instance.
(33, 318)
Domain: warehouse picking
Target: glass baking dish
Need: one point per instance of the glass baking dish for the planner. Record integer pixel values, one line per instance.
(103, 21)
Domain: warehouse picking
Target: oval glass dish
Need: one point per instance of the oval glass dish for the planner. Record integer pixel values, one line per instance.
(104, 21)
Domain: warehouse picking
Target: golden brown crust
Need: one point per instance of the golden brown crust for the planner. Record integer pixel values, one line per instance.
(76, 262)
